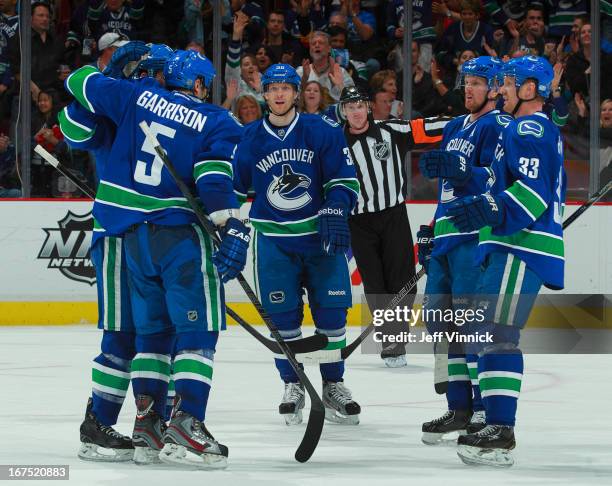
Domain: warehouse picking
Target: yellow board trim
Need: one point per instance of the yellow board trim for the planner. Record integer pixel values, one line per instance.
(71, 313)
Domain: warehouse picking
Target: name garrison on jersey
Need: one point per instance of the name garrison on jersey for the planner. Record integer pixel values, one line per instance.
(171, 111)
(285, 155)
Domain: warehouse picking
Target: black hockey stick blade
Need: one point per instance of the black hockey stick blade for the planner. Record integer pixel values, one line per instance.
(309, 344)
(587, 204)
(317, 409)
(40, 150)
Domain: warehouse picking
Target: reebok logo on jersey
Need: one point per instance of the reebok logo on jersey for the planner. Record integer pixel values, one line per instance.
(336, 292)
(331, 212)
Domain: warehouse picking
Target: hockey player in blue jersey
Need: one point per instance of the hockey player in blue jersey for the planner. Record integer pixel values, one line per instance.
(175, 276)
(449, 255)
(111, 369)
(305, 185)
(520, 249)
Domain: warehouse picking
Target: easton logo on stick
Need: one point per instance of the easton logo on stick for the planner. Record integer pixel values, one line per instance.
(66, 247)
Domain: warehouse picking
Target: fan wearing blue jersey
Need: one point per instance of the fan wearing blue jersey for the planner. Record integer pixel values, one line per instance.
(448, 255)
(175, 276)
(520, 249)
(111, 369)
(305, 185)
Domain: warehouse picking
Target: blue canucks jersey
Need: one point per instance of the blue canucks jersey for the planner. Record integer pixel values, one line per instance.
(199, 138)
(528, 176)
(293, 171)
(475, 142)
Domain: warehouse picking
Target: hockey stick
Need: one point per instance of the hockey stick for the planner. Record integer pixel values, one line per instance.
(587, 204)
(314, 427)
(304, 345)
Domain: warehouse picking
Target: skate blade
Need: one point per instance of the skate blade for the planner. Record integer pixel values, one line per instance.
(337, 418)
(475, 456)
(175, 454)
(96, 453)
(146, 455)
(293, 418)
(448, 439)
(395, 361)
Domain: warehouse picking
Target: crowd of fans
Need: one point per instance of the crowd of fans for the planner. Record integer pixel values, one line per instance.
(332, 43)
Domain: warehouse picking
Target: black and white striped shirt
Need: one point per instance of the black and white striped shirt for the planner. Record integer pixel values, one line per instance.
(379, 155)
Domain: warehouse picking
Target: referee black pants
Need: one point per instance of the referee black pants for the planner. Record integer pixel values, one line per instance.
(384, 252)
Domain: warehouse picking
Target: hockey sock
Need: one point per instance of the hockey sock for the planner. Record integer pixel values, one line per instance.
(110, 375)
(288, 325)
(151, 368)
(459, 393)
(192, 370)
(500, 376)
(170, 399)
(472, 364)
(332, 323)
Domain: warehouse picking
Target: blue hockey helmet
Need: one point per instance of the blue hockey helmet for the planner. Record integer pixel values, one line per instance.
(486, 67)
(184, 67)
(280, 73)
(155, 59)
(531, 67)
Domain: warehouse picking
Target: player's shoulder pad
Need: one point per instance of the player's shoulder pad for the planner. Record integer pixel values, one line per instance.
(530, 127)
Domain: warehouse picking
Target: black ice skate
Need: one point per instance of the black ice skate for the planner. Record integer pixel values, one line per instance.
(340, 407)
(444, 429)
(149, 429)
(489, 447)
(293, 403)
(187, 442)
(477, 422)
(102, 442)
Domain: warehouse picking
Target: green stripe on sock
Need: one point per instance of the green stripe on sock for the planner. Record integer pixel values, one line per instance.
(147, 364)
(110, 381)
(193, 366)
(500, 383)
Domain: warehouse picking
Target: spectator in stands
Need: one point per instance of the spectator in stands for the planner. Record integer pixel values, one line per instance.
(265, 57)
(386, 80)
(468, 34)
(47, 49)
(242, 67)
(195, 46)
(425, 99)
(247, 109)
(9, 25)
(423, 30)
(605, 128)
(314, 98)
(561, 15)
(46, 132)
(323, 68)
(255, 29)
(117, 16)
(9, 183)
(382, 101)
(306, 17)
(450, 89)
(578, 68)
(531, 37)
(107, 45)
(282, 45)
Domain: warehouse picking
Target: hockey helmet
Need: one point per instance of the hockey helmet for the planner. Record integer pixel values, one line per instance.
(155, 59)
(486, 67)
(352, 94)
(184, 67)
(531, 67)
(280, 73)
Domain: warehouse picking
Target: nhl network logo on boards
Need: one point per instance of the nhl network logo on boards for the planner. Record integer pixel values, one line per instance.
(66, 247)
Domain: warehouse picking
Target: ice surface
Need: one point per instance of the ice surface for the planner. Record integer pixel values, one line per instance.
(563, 434)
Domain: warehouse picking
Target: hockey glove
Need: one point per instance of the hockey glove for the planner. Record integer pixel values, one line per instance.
(231, 256)
(334, 229)
(474, 212)
(425, 243)
(131, 52)
(439, 163)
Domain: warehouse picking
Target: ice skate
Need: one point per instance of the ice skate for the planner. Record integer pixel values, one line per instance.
(149, 429)
(395, 361)
(340, 407)
(444, 429)
(293, 403)
(477, 422)
(102, 442)
(188, 443)
(489, 447)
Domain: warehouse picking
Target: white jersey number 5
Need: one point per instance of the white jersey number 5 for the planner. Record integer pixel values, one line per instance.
(140, 174)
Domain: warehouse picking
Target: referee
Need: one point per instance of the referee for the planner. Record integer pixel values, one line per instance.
(380, 232)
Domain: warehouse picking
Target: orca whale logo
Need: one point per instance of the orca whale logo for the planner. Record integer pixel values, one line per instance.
(282, 190)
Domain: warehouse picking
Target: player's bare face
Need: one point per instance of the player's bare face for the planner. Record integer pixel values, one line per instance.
(356, 114)
(476, 89)
(280, 97)
(509, 94)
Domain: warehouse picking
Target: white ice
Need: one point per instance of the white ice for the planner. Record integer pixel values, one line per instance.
(563, 432)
